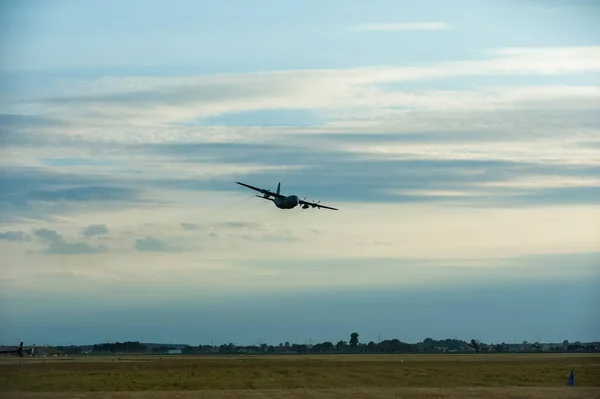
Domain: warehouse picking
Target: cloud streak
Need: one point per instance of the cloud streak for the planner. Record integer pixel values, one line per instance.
(403, 26)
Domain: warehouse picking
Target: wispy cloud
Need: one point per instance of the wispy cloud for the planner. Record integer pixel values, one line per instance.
(403, 26)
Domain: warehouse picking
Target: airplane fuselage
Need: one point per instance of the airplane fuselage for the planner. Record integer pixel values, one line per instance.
(288, 202)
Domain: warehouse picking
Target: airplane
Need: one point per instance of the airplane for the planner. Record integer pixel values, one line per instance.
(18, 351)
(285, 201)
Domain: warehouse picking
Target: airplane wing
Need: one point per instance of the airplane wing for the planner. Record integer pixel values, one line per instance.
(261, 190)
(315, 204)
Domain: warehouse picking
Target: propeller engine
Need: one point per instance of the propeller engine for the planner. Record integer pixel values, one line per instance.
(305, 206)
(315, 205)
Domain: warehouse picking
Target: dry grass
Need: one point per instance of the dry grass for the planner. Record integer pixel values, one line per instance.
(357, 393)
(365, 376)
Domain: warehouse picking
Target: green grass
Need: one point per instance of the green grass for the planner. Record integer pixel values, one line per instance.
(151, 373)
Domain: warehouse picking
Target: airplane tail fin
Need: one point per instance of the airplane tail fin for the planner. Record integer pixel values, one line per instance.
(278, 187)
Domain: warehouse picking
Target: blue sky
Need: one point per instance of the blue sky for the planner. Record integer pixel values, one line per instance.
(459, 140)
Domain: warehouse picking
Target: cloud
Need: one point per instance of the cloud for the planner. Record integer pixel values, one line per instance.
(264, 117)
(191, 226)
(403, 26)
(591, 144)
(276, 236)
(17, 120)
(184, 100)
(73, 248)
(85, 193)
(286, 236)
(239, 225)
(152, 244)
(392, 271)
(58, 246)
(362, 118)
(95, 229)
(231, 231)
(394, 168)
(374, 142)
(224, 225)
(16, 236)
(38, 193)
(48, 235)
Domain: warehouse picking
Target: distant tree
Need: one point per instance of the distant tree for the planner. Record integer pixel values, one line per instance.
(287, 344)
(499, 348)
(353, 340)
(372, 346)
(475, 344)
(120, 347)
(428, 344)
(566, 342)
(395, 345)
(340, 345)
(300, 347)
(324, 347)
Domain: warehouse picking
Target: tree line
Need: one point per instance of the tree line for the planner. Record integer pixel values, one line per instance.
(352, 345)
(120, 347)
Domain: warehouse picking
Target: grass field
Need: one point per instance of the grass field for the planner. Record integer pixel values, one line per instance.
(303, 376)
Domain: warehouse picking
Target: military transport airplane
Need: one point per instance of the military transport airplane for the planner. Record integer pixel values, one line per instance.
(284, 201)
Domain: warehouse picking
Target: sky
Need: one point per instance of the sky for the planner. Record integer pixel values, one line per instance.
(459, 140)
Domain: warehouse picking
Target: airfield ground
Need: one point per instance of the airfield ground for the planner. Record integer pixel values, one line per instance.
(302, 376)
